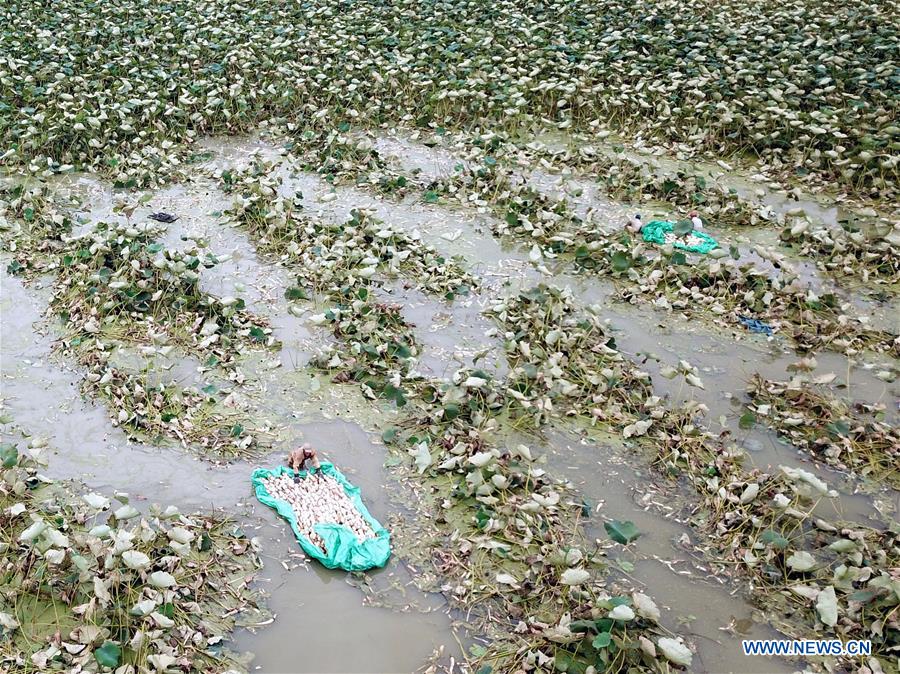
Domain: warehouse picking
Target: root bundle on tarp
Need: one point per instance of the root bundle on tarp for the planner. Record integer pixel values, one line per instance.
(333, 543)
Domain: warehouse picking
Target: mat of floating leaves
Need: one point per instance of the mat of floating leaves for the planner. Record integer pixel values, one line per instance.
(327, 515)
(661, 232)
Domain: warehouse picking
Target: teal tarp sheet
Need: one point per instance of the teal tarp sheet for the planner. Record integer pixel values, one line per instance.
(342, 549)
(655, 232)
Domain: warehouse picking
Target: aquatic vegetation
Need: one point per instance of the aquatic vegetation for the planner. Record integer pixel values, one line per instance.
(342, 158)
(800, 92)
(563, 362)
(741, 511)
(500, 506)
(737, 506)
(514, 528)
(33, 225)
(196, 419)
(119, 282)
(635, 180)
(522, 209)
(802, 86)
(510, 520)
(726, 290)
(715, 287)
(375, 348)
(827, 577)
(869, 251)
(816, 576)
(117, 285)
(809, 574)
(515, 559)
(848, 437)
(327, 256)
(865, 245)
(342, 263)
(711, 286)
(685, 191)
(87, 582)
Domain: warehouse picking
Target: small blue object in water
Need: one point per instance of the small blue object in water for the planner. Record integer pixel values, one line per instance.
(754, 325)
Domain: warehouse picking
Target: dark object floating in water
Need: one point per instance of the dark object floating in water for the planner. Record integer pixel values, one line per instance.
(163, 217)
(754, 325)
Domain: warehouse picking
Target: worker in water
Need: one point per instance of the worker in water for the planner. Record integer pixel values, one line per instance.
(696, 221)
(297, 459)
(635, 225)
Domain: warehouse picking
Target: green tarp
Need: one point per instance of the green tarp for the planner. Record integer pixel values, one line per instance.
(655, 232)
(344, 551)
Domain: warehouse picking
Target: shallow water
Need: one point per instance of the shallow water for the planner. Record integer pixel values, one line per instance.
(323, 624)
(795, 202)
(323, 618)
(452, 335)
(612, 483)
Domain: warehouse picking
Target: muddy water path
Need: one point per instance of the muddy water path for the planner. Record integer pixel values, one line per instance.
(610, 481)
(816, 205)
(316, 610)
(504, 267)
(758, 245)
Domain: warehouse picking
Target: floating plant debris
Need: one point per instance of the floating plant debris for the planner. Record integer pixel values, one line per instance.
(848, 437)
(547, 119)
(710, 90)
(89, 582)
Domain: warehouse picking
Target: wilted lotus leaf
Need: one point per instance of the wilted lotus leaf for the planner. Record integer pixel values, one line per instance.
(135, 560)
(675, 651)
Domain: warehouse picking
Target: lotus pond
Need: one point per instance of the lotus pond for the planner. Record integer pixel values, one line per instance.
(397, 231)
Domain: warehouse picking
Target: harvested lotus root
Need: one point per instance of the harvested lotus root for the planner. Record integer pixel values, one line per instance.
(318, 499)
(689, 240)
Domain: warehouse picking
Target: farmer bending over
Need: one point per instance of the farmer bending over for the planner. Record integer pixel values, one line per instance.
(297, 459)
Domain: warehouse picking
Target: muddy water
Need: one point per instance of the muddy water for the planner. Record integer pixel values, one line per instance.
(506, 266)
(755, 245)
(432, 163)
(323, 624)
(452, 335)
(794, 202)
(725, 362)
(321, 619)
(612, 482)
